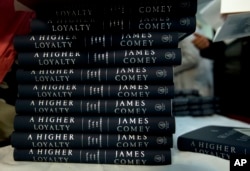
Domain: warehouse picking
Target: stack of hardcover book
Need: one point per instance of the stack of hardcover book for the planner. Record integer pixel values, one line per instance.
(95, 83)
(192, 103)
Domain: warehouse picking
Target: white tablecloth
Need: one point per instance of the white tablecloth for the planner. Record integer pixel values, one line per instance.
(181, 161)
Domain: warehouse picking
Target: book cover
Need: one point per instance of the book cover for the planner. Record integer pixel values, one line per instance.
(96, 156)
(153, 125)
(64, 140)
(220, 141)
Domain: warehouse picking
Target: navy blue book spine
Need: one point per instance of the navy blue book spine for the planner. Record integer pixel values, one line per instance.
(142, 107)
(111, 8)
(127, 57)
(78, 91)
(93, 41)
(83, 140)
(162, 23)
(95, 124)
(95, 156)
(120, 75)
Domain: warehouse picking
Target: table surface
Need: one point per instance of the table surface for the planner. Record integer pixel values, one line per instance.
(181, 160)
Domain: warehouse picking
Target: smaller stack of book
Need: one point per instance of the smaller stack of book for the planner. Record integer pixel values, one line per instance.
(191, 103)
(95, 83)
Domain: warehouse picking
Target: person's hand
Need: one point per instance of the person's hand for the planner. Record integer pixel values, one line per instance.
(201, 42)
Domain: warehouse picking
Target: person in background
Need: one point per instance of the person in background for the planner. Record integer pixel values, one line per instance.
(12, 22)
(231, 68)
(195, 72)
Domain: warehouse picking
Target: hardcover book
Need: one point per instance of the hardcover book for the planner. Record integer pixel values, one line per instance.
(127, 57)
(184, 24)
(88, 141)
(124, 75)
(197, 112)
(195, 100)
(220, 141)
(78, 91)
(95, 41)
(190, 107)
(85, 107)
(95, 156)
(153, 125)
(121, 8)
(160, 15)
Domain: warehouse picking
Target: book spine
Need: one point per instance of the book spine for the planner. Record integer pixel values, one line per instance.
(124, 75)
(124, 40)
(193, 107)
(198, 112)
(129, 57)
(79, 141)
(114, 8)
(199, 100)
(97, 156)
(77, 91)
(113, 24)
(187, 93)
(96, 124)
(104, 106)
